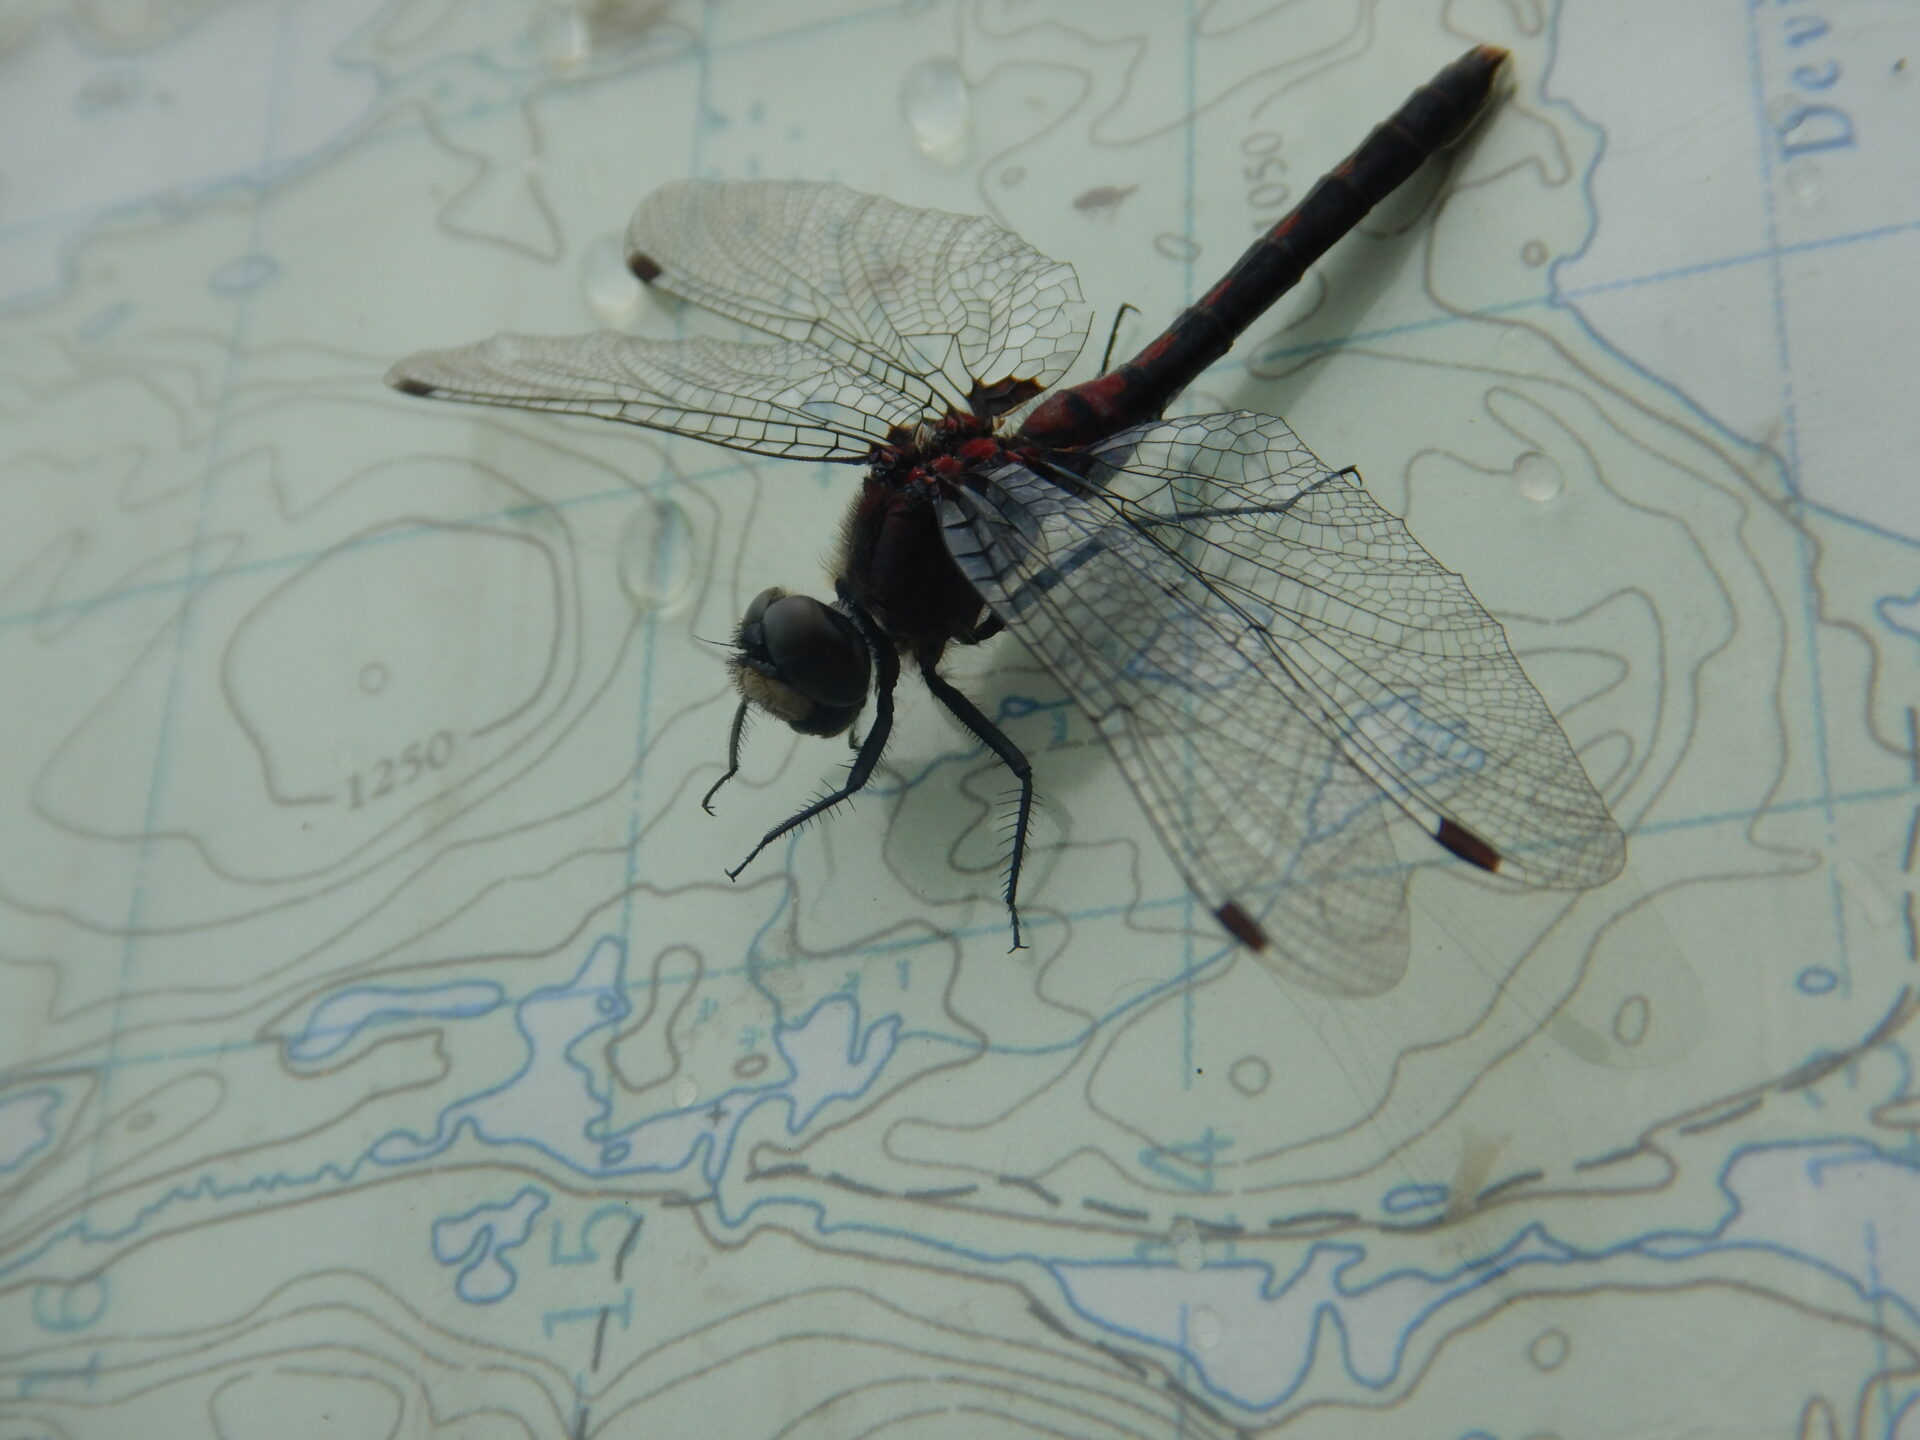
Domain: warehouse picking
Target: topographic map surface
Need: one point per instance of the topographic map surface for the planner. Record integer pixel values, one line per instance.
(383, 1051)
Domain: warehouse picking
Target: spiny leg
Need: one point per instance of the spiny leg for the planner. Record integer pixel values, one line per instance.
(887, 660)
(989, 734)
(733, 756)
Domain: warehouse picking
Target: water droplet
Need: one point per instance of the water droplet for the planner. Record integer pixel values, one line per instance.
(1204, 1328)
(656, 553)
(1533, 253)
(561, 35)
(612, 293)
(685, 1092)
(1580, 1038)
(938, 106)
(1538, 477)
(1176, 247)
(1250, 1075)
(1631, 1020)
(1804, 183)
(373, 678)
(1184, 1240)
(1549, 1349)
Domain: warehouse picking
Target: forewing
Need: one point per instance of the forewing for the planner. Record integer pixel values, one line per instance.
(1351, 623)
(953, 301)
(787, 399)
(1268, 823)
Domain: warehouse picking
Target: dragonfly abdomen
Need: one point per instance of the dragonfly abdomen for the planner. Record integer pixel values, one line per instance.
(1433, 117)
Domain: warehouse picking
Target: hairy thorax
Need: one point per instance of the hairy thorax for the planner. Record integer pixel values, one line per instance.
(893, 560)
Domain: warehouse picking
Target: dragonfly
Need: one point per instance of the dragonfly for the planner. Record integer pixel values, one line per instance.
(1276, 665)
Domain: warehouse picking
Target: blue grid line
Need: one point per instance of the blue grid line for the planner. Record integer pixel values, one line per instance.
(670, 479)
(1768, 253)
(156, 788)
(196, 582)
(1189, 203)
(1559, 298)
(650, 635)
(1349, 341)
(188, 193)
(897, 948)
(1810, 609)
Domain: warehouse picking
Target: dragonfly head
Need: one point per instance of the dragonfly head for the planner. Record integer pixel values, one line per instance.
(802, 662)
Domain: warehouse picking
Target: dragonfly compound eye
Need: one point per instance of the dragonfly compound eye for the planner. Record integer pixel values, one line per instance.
(802, 662)
(816, 650)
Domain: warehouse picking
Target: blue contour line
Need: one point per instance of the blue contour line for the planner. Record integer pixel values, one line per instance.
(1888, 602)
(89, 220)
(385, 1016)
(48, 1129)
(1557, 296)
(540, 1198)
(667, 482)
(716, 1155)
(902, 947)
(1479, 1274)
(209, 1187)
(242, 274)
(1484, 1270)
(487, 1243)
(1413, 1195)
(859, 1046)
(1821, 510)
(1810, 617)
(214, 451)
(1896, 1162)
(260, 181)
(441, 1138)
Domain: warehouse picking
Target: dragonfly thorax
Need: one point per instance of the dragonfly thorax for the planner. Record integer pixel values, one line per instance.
(1277, 665)
(935, 450)
(801, 661)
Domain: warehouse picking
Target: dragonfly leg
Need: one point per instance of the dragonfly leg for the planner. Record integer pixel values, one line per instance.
(887, 662)
(1106, 360)
(733, 756)
(990, 735)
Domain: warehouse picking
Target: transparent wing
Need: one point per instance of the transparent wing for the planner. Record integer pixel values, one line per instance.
(955, 302)
(1358, 627)
(785, 399)
(1274, 662)
(1268, 824)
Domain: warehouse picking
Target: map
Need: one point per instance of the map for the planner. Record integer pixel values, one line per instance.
(384, 1050)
